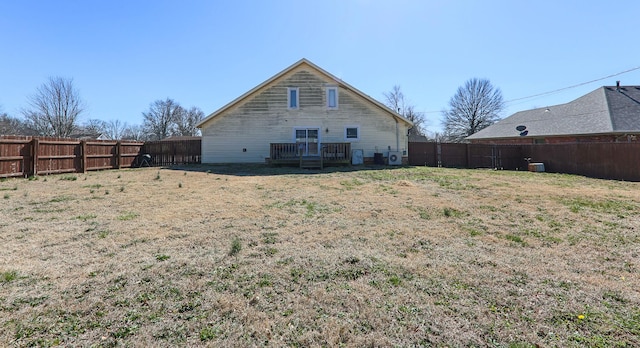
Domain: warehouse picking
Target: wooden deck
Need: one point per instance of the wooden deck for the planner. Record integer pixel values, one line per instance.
(290, 154)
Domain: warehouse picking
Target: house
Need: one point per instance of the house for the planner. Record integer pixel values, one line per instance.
(304, 111)
(181, 138)
(607, 114)
(87, 135)
(418, 138)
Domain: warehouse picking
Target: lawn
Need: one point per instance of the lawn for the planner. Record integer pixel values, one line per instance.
(257, 256)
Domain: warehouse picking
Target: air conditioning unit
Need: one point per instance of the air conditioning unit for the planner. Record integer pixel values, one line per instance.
(395, 158)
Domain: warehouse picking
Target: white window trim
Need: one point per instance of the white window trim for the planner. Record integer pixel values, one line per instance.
(317, 128)
(351, 139)
(335, 88)
(289, 89)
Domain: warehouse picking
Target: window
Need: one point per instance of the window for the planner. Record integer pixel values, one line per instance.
(308, 140)
(293, 97)
(352, 133)
(332, 97)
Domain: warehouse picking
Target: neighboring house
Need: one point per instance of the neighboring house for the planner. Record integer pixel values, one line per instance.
(181, 138)
(418, 138)
(303, 110)
(608, 114)
(86, 135)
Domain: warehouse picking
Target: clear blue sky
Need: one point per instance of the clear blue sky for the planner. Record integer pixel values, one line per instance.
(123, 55)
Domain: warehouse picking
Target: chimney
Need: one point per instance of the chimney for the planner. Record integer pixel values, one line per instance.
(618, 86)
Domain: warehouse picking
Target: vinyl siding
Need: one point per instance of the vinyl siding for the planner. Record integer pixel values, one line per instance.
(263, 118)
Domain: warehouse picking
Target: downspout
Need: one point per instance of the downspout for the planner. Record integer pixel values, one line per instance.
(397, 135)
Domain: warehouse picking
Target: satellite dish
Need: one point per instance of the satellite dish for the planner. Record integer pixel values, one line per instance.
(524, 133)
(521, 128)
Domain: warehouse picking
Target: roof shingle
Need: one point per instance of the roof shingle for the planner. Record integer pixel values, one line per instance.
(604, 110)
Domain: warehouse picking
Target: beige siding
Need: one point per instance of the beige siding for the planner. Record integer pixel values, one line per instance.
(264, 118)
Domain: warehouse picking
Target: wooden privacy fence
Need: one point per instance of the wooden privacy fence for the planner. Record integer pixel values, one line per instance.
(171, 152)
(26, 156)
(456, 155)
(618, 161)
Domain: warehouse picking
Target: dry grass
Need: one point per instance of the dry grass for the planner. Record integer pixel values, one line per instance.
(254, 256)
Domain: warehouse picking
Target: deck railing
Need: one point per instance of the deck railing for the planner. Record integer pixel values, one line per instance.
(336, 152)
(283, 151)
(330, 152)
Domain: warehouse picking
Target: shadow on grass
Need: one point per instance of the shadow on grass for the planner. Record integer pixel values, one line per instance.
(251, 169)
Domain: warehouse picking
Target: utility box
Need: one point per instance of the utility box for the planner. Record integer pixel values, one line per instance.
(395, 158)
(378, 158)
(357, 157)
(536, 167)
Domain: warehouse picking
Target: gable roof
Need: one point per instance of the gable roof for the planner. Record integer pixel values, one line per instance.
(321, 71)
(181, 138)
(606, 110)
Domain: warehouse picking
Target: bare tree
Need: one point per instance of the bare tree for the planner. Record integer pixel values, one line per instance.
(417, 118)
(94, 126)
(395, 100)
(134, 132)
(475, 105)
(54, 108)
(12, 125)
(115, 129)
(437, 137)
(186, 122)
(160, 120)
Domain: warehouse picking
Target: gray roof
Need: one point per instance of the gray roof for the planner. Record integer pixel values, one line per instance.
(605, 110)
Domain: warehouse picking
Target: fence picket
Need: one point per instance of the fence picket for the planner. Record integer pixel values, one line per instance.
(25, 156)
(618, 161)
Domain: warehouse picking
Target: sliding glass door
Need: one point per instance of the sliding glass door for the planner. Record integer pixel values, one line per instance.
(308, 141)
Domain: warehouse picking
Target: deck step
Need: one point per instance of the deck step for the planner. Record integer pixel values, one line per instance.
(311, 163)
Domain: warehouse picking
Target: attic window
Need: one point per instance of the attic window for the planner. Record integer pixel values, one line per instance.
(293, 97)
(332, 97)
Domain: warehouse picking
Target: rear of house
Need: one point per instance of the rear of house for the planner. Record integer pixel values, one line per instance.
(303, 110)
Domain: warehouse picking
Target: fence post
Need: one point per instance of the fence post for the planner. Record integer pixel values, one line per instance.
(468, 155)
(34, 156)
(83, 148)
(119, 155)
(173, 153)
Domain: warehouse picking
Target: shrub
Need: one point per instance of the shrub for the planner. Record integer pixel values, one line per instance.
(236, 246)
